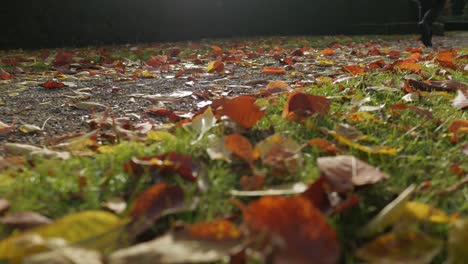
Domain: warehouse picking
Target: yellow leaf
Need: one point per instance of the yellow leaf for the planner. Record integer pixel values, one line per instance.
(71, 228)
(160, 136)
(367, 149)
(401, 248)
(424, 212)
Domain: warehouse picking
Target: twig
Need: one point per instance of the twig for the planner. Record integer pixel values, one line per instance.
(455, 187)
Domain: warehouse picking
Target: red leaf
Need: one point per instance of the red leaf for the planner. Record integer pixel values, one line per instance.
(324, 145)
(159, 111)
(217, 50)
(5, 75)
(295, 228)
(273, 71)
(215, 66)
(52, 85)
(354, 69)
(301, 105)
(377, 64)
(243, 110)
(317, 195)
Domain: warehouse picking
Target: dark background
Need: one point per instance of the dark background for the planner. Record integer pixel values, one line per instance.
(48, 23)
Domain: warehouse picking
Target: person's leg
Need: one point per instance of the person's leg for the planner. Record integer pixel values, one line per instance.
(430, 10)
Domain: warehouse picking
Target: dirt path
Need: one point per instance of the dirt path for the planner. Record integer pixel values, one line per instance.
(24, 101)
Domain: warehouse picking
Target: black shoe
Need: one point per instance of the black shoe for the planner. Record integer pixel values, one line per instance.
(426, 33)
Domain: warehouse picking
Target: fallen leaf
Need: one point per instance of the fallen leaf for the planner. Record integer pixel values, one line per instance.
(289, 189)
(115, 204)
(457, 241)
(24, 149)
(367, 149)
(301, 105)
(72, 228)
(411, 247)
(217, 149)
(52, 85)
(174, 248)
(5, 128)
(345, 172)
(63, 58)
(243, 110)
(153, 203)
(215, 230)
(327, 52)
(168, 163)
(450, 85)
(421, 112)
(215, 66)
(202, 123)
(67, 255)
(354, 70)
(277, 71)
(277, 87)
(240, 146)
(280, 154)
(409, 66)
(294, 227)
(461, 101)
(27, 128)
(24, 220)
(423, 212)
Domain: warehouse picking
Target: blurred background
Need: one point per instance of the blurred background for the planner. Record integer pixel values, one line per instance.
(55, 23)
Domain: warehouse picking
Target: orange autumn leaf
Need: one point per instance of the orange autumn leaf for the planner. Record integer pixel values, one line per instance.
(243, 110)
(301, 105)
(377, 64)
(458, 127)
(324, 145)
(409, 65)
(354, 69)
(216, 230)
(240, 146)
(269, 70)
(215, 66)
(327, 52)
(446, 56)
(295, 227)
(217, 50)
(277, 85)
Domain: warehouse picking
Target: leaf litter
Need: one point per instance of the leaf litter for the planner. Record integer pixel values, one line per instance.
(183, 127)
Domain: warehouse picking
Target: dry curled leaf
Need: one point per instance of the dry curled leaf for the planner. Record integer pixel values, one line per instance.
(276, 71)
(24, 220)
(215, 66)
(345, 172)
(216, 230)
(354, 69)
(301, 105)
(240, 146)
(52, 85)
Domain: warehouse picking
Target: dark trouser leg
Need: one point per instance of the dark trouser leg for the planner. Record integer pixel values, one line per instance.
(430, 11)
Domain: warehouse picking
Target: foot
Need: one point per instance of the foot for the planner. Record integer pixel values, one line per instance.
(426, 33)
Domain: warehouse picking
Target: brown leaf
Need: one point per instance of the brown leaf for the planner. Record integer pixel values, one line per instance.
(6, 129)
(301, 105)
(243, 110)
(327, 52)
(24, 220)
(270, 70)
(449, 86)
(277, 86)
(240, 146)
(295, 228)
(153, 203)
(344, 172)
